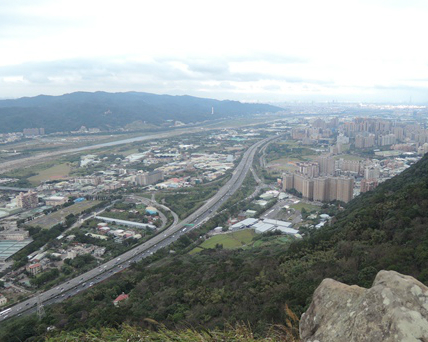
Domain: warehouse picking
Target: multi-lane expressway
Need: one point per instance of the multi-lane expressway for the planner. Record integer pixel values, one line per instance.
(166, 237)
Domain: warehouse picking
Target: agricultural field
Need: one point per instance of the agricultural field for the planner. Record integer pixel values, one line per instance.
(55, 172)
(48, 221)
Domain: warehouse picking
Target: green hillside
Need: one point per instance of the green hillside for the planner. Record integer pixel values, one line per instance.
(383, 229)
(113, 110)
(239, 333)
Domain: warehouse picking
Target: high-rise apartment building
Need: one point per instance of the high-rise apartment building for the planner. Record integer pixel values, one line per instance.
(345, 189)
(368, 185)
(349, 165)
(27, 200)
(147, 178)
(327, 165)
(323, 189)
(371, 172)
(364, 140)
(309, 169)
(399, 133)
(386, 140)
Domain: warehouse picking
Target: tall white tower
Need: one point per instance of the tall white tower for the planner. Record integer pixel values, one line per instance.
(212, 110)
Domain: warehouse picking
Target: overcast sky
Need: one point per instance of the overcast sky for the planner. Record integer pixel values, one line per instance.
(314, 50)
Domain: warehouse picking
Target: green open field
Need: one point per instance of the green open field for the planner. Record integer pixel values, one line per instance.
(283, 164)
(229, 241)
(308, 207)
(242, 238)
(127, 152)
(289, 164)
(55, 172)
(48, 221)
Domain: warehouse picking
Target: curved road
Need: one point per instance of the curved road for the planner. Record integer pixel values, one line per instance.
(171, 234)
(156, 204)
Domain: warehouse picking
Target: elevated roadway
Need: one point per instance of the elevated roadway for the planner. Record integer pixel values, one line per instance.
(165, 238)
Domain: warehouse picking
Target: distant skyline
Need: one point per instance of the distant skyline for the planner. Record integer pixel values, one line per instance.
(270, 51)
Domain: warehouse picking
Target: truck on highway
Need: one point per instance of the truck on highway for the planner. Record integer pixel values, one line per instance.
(5, 312)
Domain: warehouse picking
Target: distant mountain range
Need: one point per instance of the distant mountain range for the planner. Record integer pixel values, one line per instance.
(114, 110)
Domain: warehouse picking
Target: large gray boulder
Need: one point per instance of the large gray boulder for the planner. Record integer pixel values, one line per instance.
(395, 308)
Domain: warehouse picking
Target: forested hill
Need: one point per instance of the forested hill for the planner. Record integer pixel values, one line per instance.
(383, 229)
(112, 110)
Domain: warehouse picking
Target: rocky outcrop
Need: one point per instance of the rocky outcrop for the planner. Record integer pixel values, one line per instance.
(395, 309)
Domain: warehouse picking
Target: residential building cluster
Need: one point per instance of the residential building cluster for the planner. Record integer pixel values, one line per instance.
(6, 138)
(323, 189)
(371, 132)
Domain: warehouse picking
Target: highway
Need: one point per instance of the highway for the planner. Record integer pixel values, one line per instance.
(166, 237)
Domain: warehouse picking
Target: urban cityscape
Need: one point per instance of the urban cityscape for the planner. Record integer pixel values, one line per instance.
(99, 205)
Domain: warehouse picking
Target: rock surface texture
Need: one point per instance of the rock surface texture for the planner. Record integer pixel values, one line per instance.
(395, 309)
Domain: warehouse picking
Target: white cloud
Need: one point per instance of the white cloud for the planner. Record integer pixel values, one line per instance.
(260, 50)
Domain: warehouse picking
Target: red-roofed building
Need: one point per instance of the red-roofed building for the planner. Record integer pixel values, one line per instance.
(120, 298)
(34, 269)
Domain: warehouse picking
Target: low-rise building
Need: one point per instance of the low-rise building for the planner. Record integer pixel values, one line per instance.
(99, 251)
(121, 298)
(16, 235)
(97, 236)
(34, 269)
(151, 210)
(3, 300)
(56, 200)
